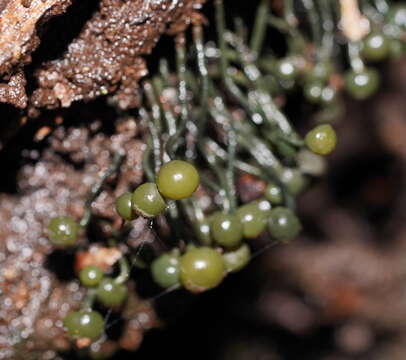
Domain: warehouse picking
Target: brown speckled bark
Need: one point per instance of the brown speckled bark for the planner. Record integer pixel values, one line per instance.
(103, 59)
(105, 56)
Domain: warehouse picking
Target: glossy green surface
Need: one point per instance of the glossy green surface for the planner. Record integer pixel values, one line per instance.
(294, 181)
(63, 231)
(124, 206)
(375, 47)
(273, 193)
(310, 163)
(322, 140)
(147, 201)
(177, 180)
(312, 91)
(363, 84)
(84, 324)
(91, 275)
(237, 259)
(109, 293)
(253, 218)
(397, 15)
(165, 270)
(201, 269)
(328, 95)
(226, 230)
(284, 224)
(285, 69)
(321, 72)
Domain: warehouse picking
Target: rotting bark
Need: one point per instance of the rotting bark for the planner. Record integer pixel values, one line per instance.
(105, 57)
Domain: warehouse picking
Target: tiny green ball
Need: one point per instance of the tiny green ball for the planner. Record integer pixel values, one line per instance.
(375, 47)
(177, 180)
(91, 275)
(273, 193)
(110, 293)
(361, 85)
(84, 324)
(397, 15)
(147, 200)
(165, 270)
(294, 180)
(321, 140)
(321, 72)
(284, 225)
(328, 95)
(227, 230)
(312, 91)
(253, 218)
(285, 69)
(201, 269)
(237, 259)
(63, 231)
(124, 206)
(310, 163)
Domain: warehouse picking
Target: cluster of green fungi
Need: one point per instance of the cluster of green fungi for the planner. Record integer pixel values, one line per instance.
(224, 121)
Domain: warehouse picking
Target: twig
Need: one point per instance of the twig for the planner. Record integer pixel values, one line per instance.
(97, 188)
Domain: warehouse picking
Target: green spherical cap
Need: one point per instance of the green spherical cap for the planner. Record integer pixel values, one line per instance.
(375, 47)
(227, 230)
(165, 270)
(274, 194)
(294, 181)
(284, 224)
(91, 275)
(285, 69)
(321, 72)
(312, 91)
(237, 259)
(84, 324)
(177, 180)
(363, 84)
(201, 269)
(397, 15)
(328, 95)
(321, 140)
(109, 293)
(124, 206)
(63, 231)
(253, 218)
(147, 201)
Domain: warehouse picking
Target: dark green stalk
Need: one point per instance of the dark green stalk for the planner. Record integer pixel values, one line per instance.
(146, 164)
(356, 63)
(228, 82)
(170, 119)
(97, 188)
(88, 300)
(258, 34)
(124, 271)
(230, 171)
(204, 74)
(156, 140)
(327, 23)
(173, 141)
(314, 20)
